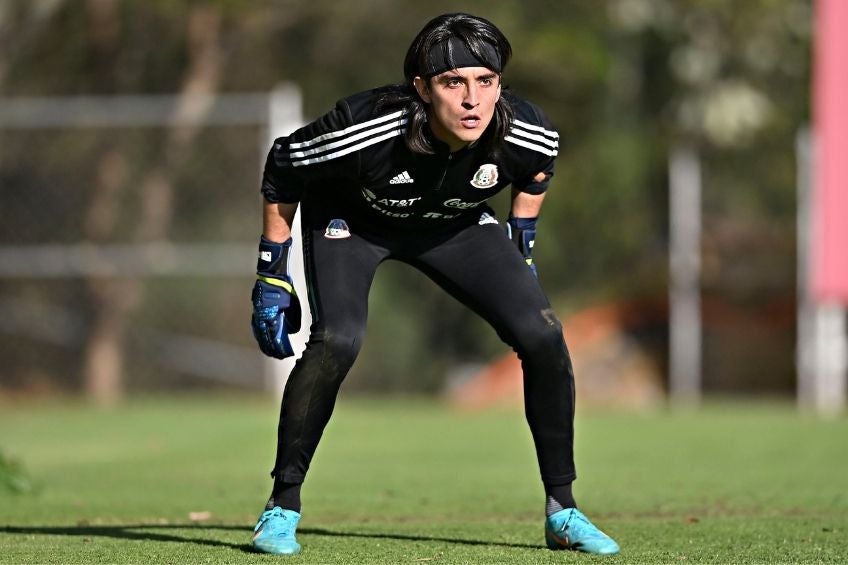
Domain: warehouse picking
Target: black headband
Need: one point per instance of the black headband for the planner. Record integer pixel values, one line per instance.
(453, 53)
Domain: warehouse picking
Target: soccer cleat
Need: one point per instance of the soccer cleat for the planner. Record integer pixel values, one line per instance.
(274, 532)
(570, 529)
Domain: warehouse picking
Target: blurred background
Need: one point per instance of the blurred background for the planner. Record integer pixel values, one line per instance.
(132, 136)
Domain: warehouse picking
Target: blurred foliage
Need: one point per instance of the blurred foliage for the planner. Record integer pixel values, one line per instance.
(13, 477)
(623, 80)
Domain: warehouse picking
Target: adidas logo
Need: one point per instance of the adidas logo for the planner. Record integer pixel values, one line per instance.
(402, 178)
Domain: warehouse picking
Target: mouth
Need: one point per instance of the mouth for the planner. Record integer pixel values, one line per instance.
(470, 122)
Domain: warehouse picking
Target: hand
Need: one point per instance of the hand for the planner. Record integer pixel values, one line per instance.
(270, 323)
(522, 231)
(276, 307)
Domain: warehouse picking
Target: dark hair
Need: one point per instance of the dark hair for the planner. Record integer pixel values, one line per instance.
(483, 40)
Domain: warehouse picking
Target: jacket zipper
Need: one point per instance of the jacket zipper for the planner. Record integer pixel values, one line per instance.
(444, 172)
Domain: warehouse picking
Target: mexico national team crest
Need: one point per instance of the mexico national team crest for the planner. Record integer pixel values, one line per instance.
(485, 177)
(337, 229)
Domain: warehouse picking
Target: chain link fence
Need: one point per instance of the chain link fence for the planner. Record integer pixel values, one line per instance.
(127, 240)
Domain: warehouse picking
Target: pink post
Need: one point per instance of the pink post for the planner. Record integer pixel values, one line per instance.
(830, 115)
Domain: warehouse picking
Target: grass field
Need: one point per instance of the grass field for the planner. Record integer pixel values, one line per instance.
(404, 481)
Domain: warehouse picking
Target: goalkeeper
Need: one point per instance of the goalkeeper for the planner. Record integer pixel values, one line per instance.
(403, 172)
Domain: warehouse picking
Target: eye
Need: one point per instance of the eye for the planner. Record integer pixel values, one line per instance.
(453, 83)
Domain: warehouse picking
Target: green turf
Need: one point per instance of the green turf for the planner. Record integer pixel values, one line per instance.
(400, 481)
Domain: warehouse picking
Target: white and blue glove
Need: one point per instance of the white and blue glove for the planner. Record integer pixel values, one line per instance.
(522, 231)
(276, 307)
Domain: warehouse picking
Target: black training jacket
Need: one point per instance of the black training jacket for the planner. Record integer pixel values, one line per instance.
(355, 161)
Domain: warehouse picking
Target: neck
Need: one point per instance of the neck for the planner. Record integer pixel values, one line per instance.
(453, 145)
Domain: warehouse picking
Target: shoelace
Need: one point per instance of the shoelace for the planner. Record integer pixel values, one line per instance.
(275, 527)
(581, 527)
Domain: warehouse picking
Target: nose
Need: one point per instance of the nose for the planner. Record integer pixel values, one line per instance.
(471, 100)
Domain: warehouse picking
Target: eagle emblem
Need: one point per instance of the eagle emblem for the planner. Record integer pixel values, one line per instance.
(485, 177)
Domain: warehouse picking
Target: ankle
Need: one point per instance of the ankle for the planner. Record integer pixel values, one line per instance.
(557, 498)
(286, 496)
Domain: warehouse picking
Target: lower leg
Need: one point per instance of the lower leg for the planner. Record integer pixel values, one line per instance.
(308, 403)
(549, 406)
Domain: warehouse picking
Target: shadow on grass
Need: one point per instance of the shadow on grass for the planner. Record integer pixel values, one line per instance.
(141, 532)
(404, 537)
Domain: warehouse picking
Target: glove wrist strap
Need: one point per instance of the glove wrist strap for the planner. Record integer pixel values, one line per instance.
(273, 260)
(522, 231)
(522, 223)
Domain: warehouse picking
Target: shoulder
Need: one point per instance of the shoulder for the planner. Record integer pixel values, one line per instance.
(530, 128)
(372, 105)
(355, 123)
(527, 112)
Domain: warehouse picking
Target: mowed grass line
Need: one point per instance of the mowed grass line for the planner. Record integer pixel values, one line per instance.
(412, 481)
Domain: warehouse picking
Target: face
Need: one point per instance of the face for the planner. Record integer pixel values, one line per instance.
(461, 103)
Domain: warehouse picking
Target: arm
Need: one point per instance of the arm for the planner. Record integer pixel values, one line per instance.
(539, 153)
(276, 308)
(526, 205)
(521, 225)
(277, 219)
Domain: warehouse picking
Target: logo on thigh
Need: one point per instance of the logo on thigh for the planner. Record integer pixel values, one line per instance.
(337, 229)
(486, 218)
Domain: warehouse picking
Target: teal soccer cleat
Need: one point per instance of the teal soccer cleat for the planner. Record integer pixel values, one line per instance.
(570, 529)
(274, 532)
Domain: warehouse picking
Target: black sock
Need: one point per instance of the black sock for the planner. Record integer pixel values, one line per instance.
(286, 496)
(558, 497)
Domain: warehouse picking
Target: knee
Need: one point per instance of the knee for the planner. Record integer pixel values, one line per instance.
(541, 335)
(339, 345)
(329, 355)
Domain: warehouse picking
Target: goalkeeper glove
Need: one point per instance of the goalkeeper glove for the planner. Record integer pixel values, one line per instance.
(522, 231)
(276, 307)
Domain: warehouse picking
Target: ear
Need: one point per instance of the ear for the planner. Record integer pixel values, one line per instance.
(421, 87)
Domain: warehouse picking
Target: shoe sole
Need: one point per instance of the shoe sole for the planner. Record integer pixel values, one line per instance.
(275, 549)
(555, 543)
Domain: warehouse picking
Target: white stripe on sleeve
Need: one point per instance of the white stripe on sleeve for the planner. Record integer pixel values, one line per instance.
(347, 130)
(540, 148)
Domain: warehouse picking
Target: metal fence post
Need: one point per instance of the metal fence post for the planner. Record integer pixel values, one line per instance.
(285, 114)
(822, 345)
(685, 274)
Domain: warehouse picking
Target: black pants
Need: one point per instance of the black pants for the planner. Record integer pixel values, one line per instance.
(476, 264)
